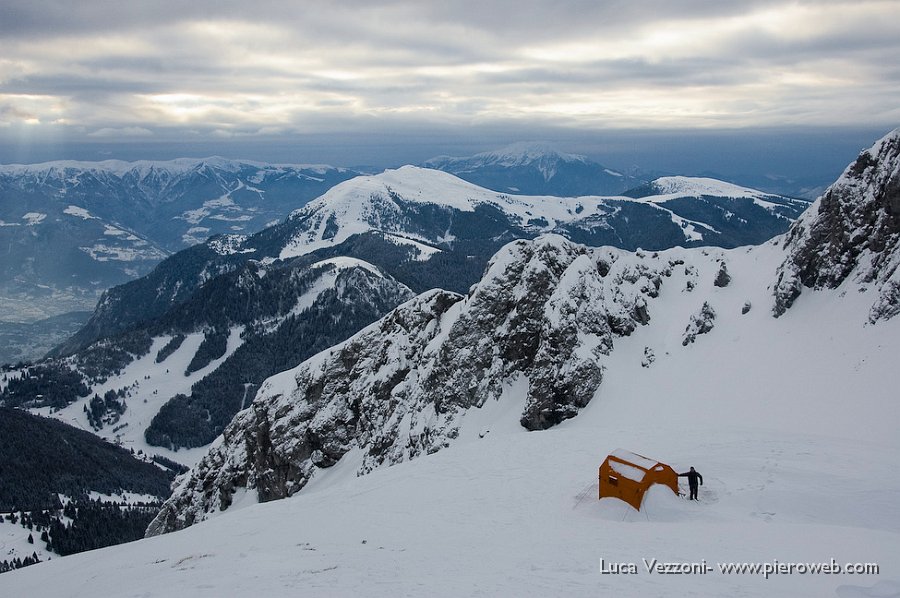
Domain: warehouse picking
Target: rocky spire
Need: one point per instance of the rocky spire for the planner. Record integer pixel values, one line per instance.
(851, 233)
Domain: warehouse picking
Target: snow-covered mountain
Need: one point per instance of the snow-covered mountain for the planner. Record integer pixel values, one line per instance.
(445, 229)
(440, 209)
(73, 229)
(535, 331)
(791, 420)
(533, 168)
(535, 335)
(174, 382)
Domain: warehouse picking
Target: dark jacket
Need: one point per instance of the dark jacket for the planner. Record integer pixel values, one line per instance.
(692, 477)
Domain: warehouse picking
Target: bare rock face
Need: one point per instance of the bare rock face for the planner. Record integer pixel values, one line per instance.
(851, 232)
(544, 316)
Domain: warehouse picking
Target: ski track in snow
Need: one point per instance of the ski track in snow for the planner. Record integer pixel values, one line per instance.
(165, 380)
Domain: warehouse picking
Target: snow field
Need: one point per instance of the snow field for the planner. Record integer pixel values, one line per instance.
(512, 514)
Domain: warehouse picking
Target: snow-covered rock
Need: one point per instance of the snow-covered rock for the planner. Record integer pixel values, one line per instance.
(701, 322)
(851, 233)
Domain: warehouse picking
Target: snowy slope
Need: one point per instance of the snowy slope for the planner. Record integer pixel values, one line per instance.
(149, 386)
(14, 542)
(793, 471)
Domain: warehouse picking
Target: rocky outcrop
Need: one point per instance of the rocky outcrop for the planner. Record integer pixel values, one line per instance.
(649, 357)
(851, 233)
(309, 418)
(546, 313)
(701, 322)
(723, 278)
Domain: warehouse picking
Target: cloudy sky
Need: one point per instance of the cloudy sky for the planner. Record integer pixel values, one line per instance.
(378, 82)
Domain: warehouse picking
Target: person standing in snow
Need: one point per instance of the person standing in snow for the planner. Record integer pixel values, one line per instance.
(693, 478)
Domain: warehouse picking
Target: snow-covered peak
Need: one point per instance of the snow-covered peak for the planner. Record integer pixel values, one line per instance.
(851, 233)
(348, 263)
(421, 185)
(699, 186)
(881, 147)
(382, 202)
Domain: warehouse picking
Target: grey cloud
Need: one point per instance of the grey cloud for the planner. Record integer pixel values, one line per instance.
(847, 44)
(537, 18)
(75, 85)
(120, 133)
(610, 73)
(14, 111)
(418, 57)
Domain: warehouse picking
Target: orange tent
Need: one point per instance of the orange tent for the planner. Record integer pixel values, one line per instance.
(627, 476)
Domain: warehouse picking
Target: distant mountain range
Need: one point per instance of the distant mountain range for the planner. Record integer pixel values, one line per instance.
(536, 169)
(70, 230)
(74, 229)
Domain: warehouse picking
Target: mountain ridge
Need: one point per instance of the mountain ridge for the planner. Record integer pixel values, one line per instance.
(535, 168)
